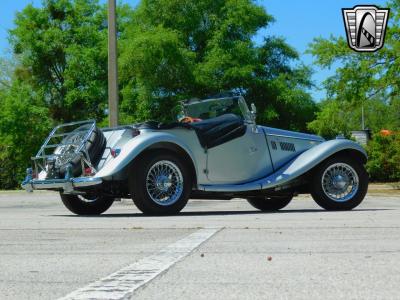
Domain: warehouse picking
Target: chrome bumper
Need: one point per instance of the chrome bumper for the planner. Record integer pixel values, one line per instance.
(68, 185)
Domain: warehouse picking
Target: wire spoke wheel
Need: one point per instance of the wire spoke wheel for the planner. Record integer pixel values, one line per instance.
(67, 148)
(164, 183)
(340, 182)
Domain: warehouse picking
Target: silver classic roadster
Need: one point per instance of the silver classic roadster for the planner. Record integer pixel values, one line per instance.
(215, 151)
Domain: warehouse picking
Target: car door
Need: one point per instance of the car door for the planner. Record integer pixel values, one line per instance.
(240, 160)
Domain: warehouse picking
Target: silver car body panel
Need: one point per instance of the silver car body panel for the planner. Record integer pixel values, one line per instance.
(115, 139)
(240, 160)
(147, 138)
(285, 145)
(291, 170)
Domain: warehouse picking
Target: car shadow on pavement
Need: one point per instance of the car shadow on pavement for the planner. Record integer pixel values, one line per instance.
(221, 213)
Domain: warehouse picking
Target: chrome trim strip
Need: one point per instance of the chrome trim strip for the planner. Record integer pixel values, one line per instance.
(268, 148)
(82, 181)
(295, 137)
(252, 186)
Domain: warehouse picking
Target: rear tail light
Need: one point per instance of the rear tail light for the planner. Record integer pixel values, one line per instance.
(31, 173)
(88, 171)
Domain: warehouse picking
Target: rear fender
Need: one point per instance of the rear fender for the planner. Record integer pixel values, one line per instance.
(136, 146)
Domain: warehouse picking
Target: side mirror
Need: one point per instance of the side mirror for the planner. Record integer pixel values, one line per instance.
(253, 109)
(253, 113)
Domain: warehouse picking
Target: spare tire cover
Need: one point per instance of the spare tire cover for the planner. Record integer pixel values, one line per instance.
(94, 146)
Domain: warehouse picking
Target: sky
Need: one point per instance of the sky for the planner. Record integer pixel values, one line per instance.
(297, 21)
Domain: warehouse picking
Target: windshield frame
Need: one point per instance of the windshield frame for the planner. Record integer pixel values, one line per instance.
(242, 105)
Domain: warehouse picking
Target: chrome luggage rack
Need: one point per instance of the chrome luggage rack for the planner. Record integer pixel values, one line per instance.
(44, 161)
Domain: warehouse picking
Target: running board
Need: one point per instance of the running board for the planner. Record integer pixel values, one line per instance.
(278, 178)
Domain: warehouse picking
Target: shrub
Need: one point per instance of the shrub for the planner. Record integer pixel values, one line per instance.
(384, 158)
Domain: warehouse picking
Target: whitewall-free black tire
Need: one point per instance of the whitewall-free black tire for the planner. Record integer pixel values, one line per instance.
(270, 203)
(86, 205)
(160, 183)
(339, 183)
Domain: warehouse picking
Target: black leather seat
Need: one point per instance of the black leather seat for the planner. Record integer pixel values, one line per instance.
(216, 131)
(211, 132)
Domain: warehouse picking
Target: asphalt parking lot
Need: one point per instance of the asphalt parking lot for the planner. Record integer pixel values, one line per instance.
(213, 250)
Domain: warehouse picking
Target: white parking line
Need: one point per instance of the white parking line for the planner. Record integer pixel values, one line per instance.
(122, 284)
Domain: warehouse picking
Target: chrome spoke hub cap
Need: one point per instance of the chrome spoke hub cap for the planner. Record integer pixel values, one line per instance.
(340, 182)
(164, 182)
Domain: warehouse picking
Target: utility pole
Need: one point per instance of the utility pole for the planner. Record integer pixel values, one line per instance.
(362, 117)
(112, 65)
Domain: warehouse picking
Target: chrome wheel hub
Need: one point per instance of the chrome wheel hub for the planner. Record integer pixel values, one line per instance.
(340, 182)
(66, 153)
(164, 182)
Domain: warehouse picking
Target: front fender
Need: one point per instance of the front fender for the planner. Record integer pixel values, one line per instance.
(309, 159)
(136, 146)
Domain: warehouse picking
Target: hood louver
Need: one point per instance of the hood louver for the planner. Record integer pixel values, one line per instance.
(287, 147)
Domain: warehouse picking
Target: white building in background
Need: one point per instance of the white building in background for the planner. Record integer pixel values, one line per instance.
(361, 136)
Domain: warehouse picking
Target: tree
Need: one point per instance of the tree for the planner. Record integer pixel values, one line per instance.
(62, 48)
(58, 73)
(170, 50)
(24, 124)
(178, 49)
(7, 66)
(371, 80)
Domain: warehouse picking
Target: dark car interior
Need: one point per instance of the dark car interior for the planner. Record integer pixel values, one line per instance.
(211, 132)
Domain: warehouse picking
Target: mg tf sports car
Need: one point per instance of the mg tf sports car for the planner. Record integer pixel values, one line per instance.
(215, 151)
